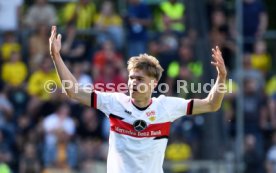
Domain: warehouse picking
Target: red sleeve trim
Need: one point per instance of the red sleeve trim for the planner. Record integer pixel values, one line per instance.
(190, 107)
(94, 99)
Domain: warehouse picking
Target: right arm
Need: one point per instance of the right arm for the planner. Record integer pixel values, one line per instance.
(74, 91)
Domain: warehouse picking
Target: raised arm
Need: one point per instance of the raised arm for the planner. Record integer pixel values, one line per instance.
(72, 88)
(213, 101)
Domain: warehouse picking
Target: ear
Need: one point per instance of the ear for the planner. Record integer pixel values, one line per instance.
(155, 83)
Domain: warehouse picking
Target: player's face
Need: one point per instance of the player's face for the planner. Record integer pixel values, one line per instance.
(140, 85)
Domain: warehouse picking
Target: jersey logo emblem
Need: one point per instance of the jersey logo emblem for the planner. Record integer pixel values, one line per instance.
(151, 115)
(139, 125)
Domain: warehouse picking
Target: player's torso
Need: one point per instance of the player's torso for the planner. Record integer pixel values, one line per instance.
(138, 137)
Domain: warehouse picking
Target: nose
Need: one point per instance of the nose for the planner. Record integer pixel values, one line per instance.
(133, 82)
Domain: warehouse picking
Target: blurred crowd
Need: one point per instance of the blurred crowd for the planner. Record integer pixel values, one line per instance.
(43, 131)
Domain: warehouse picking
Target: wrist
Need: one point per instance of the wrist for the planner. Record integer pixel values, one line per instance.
(222, 75)
(55, 55)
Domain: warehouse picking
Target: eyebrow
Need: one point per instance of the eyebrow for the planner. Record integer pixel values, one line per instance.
(136, 76)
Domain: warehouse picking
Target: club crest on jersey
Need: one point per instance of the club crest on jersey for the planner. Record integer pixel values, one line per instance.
(139, 125)
(151, 115)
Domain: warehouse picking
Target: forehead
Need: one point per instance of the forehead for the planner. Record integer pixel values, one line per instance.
(137, 72)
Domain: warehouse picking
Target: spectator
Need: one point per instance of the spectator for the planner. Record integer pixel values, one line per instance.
(179, 150)
(91, 155)
(89, 126)
(138, 20)
(109, 25)
(252, 158)
(80, 75)
(6, 110)
(260, 59)
(59, 129)
(107, 54)
(255, 107)
(268, 121)
(14, 72)
(270, 86)
(39, 79)
(186, 67)
(220, 36)
(81, 13)
(28, 162)
(5, 153)
(111, 79)
(73, 49)
(9, 45)
(253, 29)
(38, 46)
(173, 16)
(254, 103)
(10, 15)
(218, 19)
(40, 12)
(271, 156)
(250, 72)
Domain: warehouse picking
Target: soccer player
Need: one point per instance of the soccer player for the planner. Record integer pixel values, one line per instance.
(139, 124)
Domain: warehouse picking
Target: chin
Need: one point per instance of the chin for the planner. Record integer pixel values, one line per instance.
(134, 95)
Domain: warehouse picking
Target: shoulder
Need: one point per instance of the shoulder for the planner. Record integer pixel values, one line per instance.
(121, 97)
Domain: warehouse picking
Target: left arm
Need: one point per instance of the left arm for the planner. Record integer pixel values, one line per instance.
(214, 99)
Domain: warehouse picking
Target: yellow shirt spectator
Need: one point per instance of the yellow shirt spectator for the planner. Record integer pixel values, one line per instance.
(107, 21)
(40, 86)
(8, 48)
(14, 73)
(261, 62)
(83, 14)
(179, 152)
(270, 87)
(175, 11)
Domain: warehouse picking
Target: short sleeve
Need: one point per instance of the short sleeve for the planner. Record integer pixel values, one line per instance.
(177, 107)
(102, 101)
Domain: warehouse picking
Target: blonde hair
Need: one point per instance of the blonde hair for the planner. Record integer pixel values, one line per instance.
(149, 64)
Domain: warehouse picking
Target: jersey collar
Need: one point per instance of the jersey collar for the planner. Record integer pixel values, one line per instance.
(139, 108)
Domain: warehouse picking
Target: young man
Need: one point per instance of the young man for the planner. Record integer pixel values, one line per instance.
(139, 123)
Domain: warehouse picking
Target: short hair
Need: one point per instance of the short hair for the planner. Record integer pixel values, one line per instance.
(149, 64)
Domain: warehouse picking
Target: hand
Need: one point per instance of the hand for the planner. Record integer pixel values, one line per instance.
(54, 42)
(218, 62)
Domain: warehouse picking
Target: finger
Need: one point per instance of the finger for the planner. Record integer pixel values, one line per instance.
(217, 56)
(218, 50)
(219, 53)
(59, 37)
(214, 53)
(214, 63)
(53, 33)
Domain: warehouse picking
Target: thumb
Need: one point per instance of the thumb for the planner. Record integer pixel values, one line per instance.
(59, 37)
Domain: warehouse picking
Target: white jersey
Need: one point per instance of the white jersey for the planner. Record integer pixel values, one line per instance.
(138, 138)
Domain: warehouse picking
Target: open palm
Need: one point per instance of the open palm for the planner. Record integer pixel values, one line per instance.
(218, 62)
(54, 42)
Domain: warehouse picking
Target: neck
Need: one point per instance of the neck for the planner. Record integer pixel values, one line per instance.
(142, 103)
